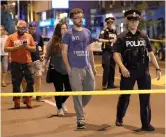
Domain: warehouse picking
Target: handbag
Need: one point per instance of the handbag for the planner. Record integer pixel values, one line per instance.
(49, 71)
(49, 74)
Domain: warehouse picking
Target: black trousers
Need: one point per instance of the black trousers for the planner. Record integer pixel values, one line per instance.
(61, 83)
(108, 65)
(144, 82)
(18, 71)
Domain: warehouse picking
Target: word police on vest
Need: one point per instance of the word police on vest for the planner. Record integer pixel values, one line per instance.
(135, 43)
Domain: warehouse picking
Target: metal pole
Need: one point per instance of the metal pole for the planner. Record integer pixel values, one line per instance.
(18, 9)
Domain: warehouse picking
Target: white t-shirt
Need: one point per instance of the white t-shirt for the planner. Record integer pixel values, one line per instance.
(2, 44)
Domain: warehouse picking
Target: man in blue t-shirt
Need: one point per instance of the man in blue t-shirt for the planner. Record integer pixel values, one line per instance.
(79, 61)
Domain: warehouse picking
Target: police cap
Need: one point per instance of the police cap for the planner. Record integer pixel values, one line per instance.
(132, 14)
(110, 19)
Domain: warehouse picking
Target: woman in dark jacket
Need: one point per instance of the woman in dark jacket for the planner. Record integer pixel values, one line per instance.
(59, 74)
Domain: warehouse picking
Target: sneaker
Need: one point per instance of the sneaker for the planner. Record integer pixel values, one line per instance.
(104, 87)
(60, 112)
(38, 98)
(148, 128)
(81, 125)
(119, 123)
(3, 84)
(64, 108)
(111, 86)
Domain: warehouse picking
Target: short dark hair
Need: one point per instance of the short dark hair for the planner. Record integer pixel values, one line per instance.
(75, 11)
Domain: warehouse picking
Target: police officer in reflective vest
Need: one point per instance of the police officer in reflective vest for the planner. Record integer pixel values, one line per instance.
(131, 52)
(108, 37)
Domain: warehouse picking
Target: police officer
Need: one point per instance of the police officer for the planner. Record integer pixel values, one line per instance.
(108, 37)
(131, 52)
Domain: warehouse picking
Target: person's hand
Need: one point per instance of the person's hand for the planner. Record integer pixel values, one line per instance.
(158, 74)
(43, 68)
(69, 70)
(9, 59)
(94, 71)
(125, 72)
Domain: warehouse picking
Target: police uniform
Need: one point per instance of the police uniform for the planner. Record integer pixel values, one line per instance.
(134, 49)
(108, 62)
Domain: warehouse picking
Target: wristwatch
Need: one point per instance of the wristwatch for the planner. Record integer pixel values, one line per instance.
(158, 69)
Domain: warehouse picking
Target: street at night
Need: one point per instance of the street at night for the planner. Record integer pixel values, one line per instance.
(41, 120)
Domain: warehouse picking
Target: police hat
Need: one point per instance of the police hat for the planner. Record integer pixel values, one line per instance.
(134, 13)
(110, 19)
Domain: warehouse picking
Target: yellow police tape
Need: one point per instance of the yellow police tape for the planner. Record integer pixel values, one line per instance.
(79, 93)
(158, 40)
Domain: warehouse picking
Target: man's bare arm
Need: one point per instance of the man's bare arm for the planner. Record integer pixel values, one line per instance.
(65, 57)
(91, 55)
(153, 60)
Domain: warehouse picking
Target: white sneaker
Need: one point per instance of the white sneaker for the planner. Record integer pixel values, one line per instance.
(60, 112)
(64, 108)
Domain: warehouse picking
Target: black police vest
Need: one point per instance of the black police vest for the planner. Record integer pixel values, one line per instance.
(135, 53)
(108, 34)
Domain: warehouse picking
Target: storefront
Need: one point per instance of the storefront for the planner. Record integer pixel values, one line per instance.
(46, 27)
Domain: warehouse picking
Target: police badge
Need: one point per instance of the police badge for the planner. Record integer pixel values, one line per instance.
(134, 14)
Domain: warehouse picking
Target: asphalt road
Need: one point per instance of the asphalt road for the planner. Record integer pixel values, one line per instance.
(41, 120)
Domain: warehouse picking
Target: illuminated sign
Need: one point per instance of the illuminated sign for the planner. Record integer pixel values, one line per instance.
(71, 23)
(47, 23)
(60, 4)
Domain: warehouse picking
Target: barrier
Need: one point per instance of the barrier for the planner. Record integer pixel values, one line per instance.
(79, 93)
(156, 40)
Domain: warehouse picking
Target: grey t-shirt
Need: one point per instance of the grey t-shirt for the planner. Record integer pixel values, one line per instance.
(55, 58)
(78, 41)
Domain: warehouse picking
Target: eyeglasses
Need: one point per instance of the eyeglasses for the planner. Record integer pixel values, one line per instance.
(78, 18)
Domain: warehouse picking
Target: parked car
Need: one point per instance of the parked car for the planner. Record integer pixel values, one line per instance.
(97, 48)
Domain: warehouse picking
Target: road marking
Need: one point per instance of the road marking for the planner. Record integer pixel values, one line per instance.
(49, 102)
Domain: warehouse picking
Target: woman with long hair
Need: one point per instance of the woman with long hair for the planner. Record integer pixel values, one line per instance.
(59, 74)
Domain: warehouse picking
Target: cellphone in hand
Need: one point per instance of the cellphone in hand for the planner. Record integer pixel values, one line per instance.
(25, 42)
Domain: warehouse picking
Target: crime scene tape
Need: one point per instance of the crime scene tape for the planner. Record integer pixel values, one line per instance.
(156, 40)
(79, 93)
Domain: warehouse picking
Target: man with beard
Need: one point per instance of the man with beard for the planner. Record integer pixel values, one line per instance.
(79, 61)
(20, 44)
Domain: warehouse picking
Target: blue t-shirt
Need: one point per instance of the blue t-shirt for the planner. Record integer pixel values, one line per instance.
(38, 42)
(78, 41)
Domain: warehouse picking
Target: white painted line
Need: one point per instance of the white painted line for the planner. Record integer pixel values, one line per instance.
(49, 102)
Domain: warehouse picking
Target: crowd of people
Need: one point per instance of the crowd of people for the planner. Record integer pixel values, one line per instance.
(71, 62)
